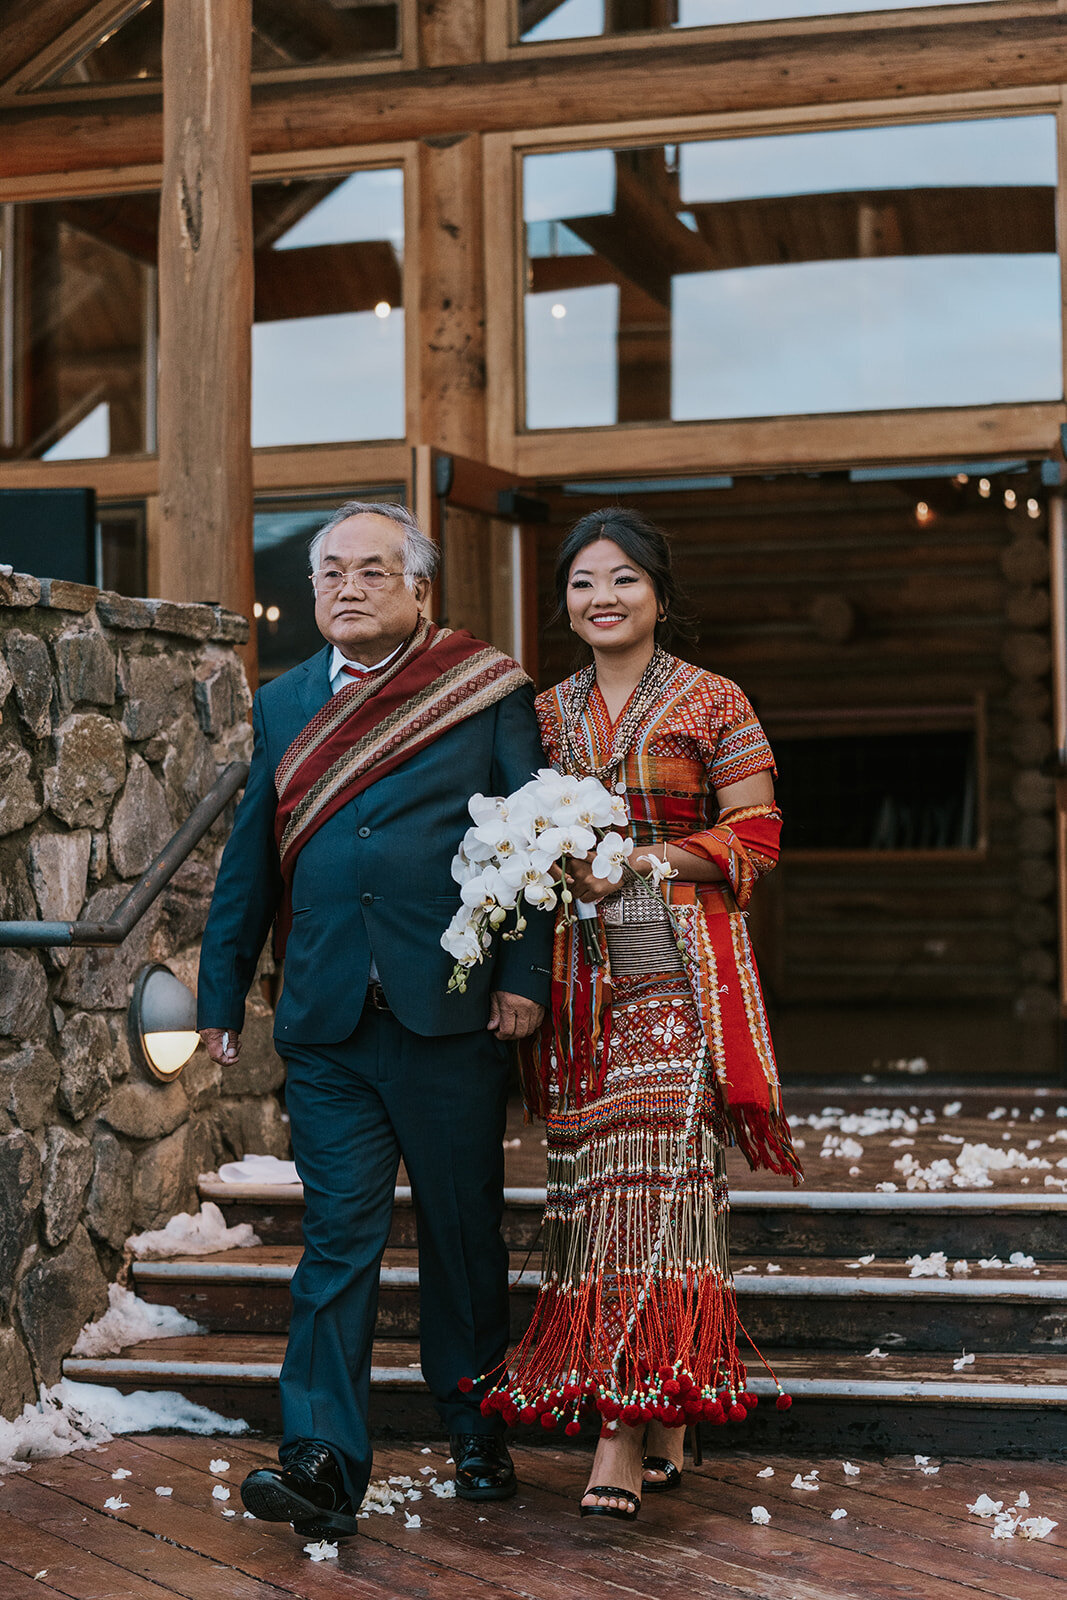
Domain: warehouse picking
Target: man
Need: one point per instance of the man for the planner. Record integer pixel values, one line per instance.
(364, 760)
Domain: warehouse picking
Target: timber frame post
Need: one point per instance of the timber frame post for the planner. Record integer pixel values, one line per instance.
(206, 306)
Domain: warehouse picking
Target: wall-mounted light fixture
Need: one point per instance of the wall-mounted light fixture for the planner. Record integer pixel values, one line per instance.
(161, 1022)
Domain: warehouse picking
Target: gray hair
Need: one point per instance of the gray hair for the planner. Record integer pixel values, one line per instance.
(421, 555)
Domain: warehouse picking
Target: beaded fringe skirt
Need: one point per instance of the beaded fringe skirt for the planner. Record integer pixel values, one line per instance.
(635, 1317)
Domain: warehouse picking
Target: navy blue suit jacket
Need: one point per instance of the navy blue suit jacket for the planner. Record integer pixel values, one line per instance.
(374, 878)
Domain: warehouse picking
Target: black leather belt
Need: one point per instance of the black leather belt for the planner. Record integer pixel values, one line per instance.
(376, 998)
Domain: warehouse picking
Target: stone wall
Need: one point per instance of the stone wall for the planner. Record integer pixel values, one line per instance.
(115, 717)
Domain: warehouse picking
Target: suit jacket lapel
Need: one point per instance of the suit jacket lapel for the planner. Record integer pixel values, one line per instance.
(313, 689)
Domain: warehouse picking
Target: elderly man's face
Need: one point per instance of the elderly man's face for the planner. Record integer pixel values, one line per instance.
(367, 623)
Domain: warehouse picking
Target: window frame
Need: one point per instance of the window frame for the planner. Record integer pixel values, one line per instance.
(502, 41)
(24, 88)
(802, 441)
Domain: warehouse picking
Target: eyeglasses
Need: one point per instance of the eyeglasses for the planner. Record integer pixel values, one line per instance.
(329, 579)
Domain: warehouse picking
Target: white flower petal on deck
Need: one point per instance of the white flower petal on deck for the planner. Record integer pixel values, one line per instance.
(761, 1515)
(323, 1550)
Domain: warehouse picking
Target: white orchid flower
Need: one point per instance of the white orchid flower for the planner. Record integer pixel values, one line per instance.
(531, 810)
(461, 940)
(487, 892)
(463, 869)
(503, 837)
(571, 840)
(659, 868)
(528, 876)
(610, 858)
(619, 815)
(593, 806)
(540, 892)
(484, 807)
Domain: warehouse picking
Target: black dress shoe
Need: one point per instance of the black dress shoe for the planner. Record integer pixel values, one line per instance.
(307, 1490)
(484, 1469)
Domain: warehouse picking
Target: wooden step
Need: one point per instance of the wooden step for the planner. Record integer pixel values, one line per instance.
(809, 1221)
(805, 1303)
(1001, 1403)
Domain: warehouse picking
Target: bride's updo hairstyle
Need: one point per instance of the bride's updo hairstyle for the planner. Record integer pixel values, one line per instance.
(642, 543)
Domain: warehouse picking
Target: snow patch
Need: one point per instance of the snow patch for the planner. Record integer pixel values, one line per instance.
(128, 1320)
(202, 1233)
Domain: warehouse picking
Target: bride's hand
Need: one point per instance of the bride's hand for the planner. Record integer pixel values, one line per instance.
(582, 883)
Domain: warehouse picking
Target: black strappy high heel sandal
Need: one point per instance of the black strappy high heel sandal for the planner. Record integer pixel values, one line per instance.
(618, 1512)
(672, 1475)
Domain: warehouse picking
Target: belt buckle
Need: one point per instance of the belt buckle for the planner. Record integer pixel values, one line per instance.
(376, 997)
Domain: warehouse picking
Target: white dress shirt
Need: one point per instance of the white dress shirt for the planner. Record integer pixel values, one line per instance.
(338, 679)
(338, 662)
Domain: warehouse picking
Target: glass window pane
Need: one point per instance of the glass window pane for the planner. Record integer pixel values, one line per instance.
(543, 20)
(283, 35)
(80, 286)
(855, 270)
(328, 340)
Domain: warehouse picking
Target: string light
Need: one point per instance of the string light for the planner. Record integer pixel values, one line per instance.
(1033, 509)
(382, 310)
(1011, 499)
(985, 488)
(923, 513)
(272, 613)
(559, 311)
(960, 479)
(257, 610)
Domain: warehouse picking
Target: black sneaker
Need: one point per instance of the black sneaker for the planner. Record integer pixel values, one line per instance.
(484, 1469)
(307, 1490)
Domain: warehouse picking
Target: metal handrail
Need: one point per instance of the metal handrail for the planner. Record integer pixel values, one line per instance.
(151, 883)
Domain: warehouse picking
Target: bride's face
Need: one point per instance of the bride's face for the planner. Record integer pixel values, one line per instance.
(610, 600)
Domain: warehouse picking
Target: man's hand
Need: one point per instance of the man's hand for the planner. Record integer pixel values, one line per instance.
(221, 1045)
(511, 1016)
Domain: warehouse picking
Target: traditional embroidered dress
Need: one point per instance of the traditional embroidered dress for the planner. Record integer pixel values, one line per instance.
(647, 1069)
(439, 677)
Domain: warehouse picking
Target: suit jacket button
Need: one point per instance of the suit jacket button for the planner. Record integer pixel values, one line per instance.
(364, 832)
(366, 899)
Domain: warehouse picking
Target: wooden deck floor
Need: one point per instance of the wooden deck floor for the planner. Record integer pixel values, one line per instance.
(906, 1533)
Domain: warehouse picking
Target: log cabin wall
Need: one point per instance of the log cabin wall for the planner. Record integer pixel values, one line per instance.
(884, 609)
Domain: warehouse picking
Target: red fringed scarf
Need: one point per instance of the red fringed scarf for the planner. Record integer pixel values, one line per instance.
(368, 728)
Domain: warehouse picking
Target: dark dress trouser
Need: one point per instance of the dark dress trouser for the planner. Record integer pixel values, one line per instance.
(355, 1108)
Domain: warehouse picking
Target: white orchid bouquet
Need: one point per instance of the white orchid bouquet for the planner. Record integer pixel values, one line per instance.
(506, 860)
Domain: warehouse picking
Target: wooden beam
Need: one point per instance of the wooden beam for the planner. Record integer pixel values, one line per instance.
(774, 72)
(778, 443)
(451, 309)
(451, 32)
(205, 325)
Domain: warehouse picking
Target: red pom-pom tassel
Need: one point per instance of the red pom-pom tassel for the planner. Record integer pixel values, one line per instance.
(572, 1428)
(465, 1385)
(737, 1412)
(750, 1399)
(548, 1421)
(528, 1415)
(783, 1402)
